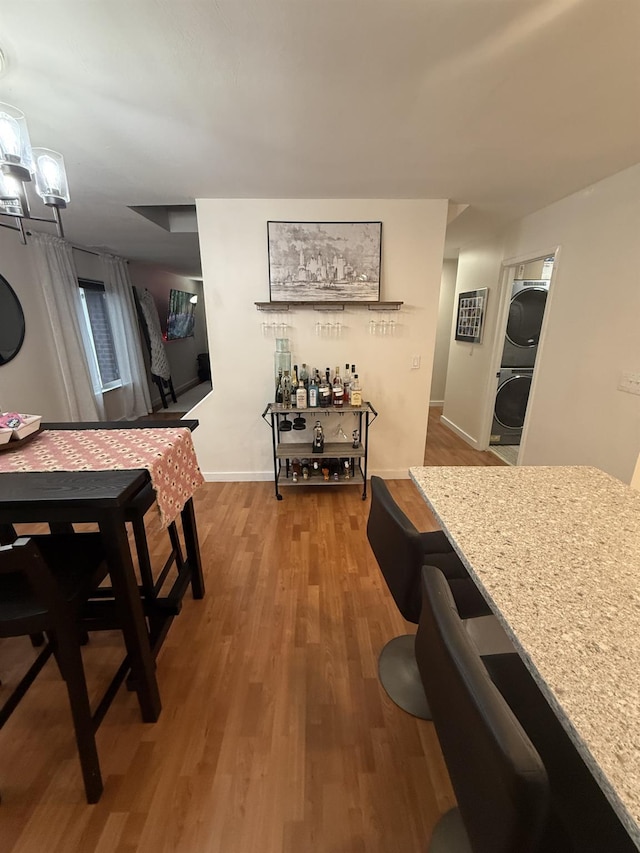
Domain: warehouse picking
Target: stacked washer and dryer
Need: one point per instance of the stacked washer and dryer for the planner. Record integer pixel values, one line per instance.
(526, 310)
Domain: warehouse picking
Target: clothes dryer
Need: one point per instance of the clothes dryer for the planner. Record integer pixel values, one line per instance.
(510, 407)
(526, 310)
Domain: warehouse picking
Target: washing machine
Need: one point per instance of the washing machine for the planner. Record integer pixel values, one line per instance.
(526, 310)
(514, 384)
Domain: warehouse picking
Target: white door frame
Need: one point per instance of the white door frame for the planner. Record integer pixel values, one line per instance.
(507, 275)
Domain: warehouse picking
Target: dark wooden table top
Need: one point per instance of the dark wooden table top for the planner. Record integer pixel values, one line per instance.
(190, 424)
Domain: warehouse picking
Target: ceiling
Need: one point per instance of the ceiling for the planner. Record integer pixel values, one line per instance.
(502, 105)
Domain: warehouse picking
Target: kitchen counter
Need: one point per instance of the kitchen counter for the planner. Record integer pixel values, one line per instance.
(556, 552)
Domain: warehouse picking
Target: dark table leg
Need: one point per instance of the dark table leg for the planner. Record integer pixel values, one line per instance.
(7, 534)
(129, 606)
(193, 549)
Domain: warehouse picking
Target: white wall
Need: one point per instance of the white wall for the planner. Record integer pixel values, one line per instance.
(593, 328)
(31, 381)
(443, 332)
(182, 354)
(469, 372)
(232, 441)
(576, 415)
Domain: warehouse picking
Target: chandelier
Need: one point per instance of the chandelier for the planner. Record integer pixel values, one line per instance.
(19, 165)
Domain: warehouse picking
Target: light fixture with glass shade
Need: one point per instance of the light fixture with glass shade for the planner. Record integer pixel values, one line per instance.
(19, 164)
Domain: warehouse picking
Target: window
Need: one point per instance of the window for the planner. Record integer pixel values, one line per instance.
(96, 315)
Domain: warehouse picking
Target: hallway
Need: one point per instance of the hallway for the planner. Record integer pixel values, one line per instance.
(444, 447)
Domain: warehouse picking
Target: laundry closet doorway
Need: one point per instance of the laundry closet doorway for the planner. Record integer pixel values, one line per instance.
(525, 289)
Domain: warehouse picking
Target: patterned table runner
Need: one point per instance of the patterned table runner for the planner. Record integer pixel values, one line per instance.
(167, 454)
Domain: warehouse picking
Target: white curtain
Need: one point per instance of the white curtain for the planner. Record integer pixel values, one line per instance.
(126, 336)
(59, 283)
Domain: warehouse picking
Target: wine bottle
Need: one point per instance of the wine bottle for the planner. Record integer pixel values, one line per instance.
(294, 378)
(338, 390)
(303, 376)
(278, 398)
(356, 391)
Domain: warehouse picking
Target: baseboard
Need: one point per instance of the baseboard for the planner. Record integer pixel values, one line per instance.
(436, 403)
(463, 435)
(237, 476)
(390, 473)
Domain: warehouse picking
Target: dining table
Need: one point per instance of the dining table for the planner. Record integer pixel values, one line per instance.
(96, 472)
(555, 550)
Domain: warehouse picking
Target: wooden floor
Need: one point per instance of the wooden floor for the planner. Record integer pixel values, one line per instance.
(275, 733)
(446, 448)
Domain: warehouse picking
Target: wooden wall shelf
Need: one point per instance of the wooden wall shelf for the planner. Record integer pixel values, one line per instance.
(328, 306)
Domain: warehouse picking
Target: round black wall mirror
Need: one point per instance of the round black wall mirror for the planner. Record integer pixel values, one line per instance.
(11, 322)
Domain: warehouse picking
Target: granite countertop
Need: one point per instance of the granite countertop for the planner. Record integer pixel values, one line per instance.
(556, 551)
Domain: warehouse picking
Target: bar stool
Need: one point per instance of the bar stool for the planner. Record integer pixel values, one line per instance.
(401, 551)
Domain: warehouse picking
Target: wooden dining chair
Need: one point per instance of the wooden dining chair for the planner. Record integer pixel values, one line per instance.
(44, 583)
(151, 578)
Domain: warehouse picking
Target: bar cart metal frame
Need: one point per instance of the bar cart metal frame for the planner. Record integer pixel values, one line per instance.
(285, 451)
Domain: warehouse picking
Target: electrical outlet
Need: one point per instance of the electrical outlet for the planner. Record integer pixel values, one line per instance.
(629, 382)
(415, 362)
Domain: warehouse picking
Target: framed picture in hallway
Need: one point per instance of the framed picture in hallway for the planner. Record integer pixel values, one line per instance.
(324, 261)
(470, 319)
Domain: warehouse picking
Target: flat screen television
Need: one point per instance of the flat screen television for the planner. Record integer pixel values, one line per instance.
(181, 317)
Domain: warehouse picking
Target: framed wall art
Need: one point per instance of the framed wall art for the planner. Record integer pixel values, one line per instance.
(181, 315)
(470, 319)
(324, 261)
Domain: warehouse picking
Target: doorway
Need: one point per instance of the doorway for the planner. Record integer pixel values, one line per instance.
(527, 286)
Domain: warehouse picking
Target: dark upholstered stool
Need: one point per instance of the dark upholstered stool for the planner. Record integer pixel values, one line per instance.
(44, 583)
(498, 777)
(576, 798)
(520, 783)
(401, 551)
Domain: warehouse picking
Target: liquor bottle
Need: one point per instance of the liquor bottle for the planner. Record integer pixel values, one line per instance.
(278, 399)
(313, 393)
(346, 467)
(346, 381)
(306, 470)
(286, 390)
(324, 392)
(303, 376)
(294, 378)
(356, 391)
(301, 396)
(318, 438)
(296, 470)
(338, 390)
